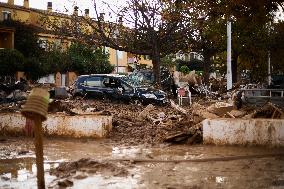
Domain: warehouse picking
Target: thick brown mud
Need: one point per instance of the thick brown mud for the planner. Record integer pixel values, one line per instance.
(94, 164)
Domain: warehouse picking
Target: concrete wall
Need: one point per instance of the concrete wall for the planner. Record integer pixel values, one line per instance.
(78, 126)
(244, 131)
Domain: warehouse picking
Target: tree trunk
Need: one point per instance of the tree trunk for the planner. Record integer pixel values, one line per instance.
(206, 67)
(235, 67)
(156, 60)
(156, 69)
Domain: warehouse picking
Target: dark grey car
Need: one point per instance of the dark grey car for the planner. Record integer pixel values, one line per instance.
(114, 87)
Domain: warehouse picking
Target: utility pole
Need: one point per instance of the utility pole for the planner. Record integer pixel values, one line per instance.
(116, 33)
(269, 69)
(269, 63)
(229, 55)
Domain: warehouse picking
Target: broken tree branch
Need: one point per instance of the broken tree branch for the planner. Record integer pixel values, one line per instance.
(177, 107)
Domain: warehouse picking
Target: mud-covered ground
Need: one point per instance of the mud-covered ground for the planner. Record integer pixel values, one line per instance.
(139, 152)
(104, 164)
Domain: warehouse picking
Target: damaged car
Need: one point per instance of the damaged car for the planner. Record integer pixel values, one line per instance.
(145, 77)
(114, 87)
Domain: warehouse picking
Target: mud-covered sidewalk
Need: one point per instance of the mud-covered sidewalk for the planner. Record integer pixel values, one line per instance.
(90, 163)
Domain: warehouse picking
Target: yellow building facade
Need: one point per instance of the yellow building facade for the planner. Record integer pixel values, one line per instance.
(33, 16)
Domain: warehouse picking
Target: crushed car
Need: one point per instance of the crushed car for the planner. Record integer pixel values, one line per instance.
(145, 78)
(116, 87)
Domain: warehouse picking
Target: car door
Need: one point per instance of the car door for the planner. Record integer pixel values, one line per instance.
(127, 91)
(93, 86)
(109, 87)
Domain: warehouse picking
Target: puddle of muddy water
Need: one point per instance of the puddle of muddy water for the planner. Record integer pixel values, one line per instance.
(22, 175)
(20, 171)
(102, 182)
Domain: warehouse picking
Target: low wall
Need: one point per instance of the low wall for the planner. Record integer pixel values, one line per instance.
(244, 131)
(77, 126)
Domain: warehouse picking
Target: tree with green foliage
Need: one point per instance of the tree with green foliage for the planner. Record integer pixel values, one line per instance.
(26, 44)
(34, 68)
(168, 61)
(11, 61)
(56, 60)
(184, 69)
(88, 60)
(249, 34)
(250, 39)
(277, 48)
(194, 64)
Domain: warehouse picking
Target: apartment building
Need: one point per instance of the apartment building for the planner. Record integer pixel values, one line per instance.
(46, 39)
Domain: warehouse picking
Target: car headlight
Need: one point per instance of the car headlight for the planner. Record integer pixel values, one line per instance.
(147, 95)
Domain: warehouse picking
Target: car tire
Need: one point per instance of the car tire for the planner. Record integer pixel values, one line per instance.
(136, 101)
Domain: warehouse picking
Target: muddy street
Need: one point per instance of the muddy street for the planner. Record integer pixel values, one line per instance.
(90, 163)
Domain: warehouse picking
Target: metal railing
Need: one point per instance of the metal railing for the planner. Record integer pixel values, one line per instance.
(263, 92)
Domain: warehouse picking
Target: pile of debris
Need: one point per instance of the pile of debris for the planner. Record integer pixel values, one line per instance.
(137, 124)
(155, 125)
(13, 92)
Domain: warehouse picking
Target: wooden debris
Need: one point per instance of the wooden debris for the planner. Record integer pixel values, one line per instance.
(238, 113)
(229, 114)
(177, 107)
(277, 113)
(177, 138)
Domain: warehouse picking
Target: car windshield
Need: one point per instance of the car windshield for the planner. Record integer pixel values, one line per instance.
(140, 78)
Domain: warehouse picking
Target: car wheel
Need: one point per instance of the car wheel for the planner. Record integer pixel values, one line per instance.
(106, 98)
(136, 101)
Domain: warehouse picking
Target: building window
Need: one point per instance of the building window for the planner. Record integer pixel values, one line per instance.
(186, 57)
(6, 15)
(192, 56)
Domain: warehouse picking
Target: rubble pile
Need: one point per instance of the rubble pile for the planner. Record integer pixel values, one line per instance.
(12, 96)
(153, 125)
(137, 124)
